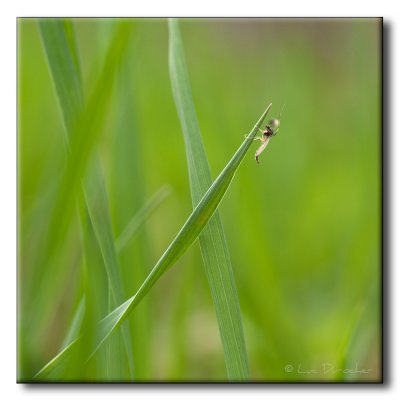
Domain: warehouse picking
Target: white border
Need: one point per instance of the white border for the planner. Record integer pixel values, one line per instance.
(9, 13)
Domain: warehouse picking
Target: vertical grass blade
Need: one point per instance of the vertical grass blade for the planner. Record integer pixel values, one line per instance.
(213, 244)
(58, 40)
(121, 241)
(62, 57)
(98, 209)
(85, 128)
(189, 232)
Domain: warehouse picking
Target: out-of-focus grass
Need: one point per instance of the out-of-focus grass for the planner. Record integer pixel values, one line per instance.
(303, 227)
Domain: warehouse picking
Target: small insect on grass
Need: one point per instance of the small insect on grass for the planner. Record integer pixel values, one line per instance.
(272, 129)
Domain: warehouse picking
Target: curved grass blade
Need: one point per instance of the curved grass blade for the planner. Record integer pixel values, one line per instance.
(213, 246)
(189, 232)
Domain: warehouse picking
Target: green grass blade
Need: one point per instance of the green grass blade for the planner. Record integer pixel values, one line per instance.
(71, 39)
(75, 325)
(62, 58)
(127, 234)
(58, 39)
(97, 204)
(189, 232)
(128, 186)
(97, 292)
(87, 128)
(55, 362)
(82, 137)
(140, 217)
(213, 245)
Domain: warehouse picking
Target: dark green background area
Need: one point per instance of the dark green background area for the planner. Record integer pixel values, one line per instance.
(303, 227)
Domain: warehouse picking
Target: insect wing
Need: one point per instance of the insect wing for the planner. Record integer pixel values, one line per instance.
(261, 148)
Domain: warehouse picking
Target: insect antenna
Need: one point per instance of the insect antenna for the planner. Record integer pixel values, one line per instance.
(280, 112)
(279, 119)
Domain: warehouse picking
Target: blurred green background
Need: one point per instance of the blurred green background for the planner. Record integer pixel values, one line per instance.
(303, 227)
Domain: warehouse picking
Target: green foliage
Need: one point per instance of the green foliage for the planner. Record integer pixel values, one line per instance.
(61, 52)
(193, 226)
(213, 244)
(303, 227)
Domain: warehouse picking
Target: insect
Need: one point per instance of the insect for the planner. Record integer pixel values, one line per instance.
(271, 130)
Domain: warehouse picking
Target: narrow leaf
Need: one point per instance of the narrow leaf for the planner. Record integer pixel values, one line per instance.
(84, 126)
(213, 244)
(97, 204)
(64, 68)
(127, 234)
(140, 217)
(58, 39)
(75, 326)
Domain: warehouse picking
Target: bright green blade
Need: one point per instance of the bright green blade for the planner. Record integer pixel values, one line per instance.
(59, 44)
(58, 39)
(83, 136)
(213, 244)
(189, 232)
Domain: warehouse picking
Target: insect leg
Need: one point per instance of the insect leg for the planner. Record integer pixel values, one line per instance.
(256, 138)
